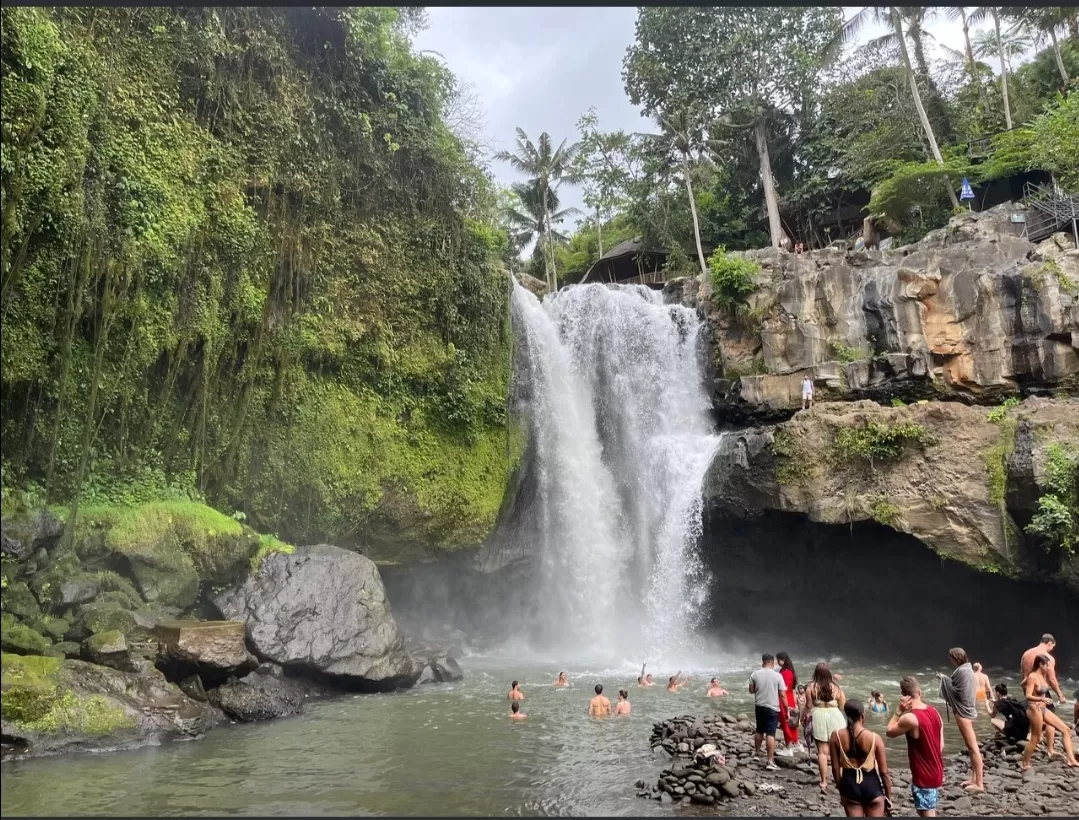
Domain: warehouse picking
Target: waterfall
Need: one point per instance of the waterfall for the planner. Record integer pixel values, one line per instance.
(622, 440)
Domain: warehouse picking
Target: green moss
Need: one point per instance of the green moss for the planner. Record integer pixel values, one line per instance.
(23, 640)
(1064, 282)
(106, 616)
(996, 460)
(19, 600)
(268, 545)
(36, 699)
(793, 466)
(885, 512)
(106, 642)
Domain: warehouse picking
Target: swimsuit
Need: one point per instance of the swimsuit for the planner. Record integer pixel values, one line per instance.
(853, 785)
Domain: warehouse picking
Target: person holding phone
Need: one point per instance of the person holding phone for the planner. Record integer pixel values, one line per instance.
(924, 730)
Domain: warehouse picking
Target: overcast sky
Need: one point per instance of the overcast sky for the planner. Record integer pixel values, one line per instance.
(541, 68)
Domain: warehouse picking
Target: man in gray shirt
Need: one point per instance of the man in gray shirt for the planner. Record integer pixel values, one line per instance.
(765, 685)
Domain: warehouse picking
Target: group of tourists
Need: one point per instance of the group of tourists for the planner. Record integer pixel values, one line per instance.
(833, 725)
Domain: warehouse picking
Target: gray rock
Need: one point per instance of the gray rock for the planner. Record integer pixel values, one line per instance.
(323, 609)
(665, 798)
(729, 789)
(21, 537)
(261, 695)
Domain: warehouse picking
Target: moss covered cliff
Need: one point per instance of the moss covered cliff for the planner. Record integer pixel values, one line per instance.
(244, 256)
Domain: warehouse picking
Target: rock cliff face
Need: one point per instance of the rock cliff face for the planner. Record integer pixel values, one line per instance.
(965, 481)
(971, 312)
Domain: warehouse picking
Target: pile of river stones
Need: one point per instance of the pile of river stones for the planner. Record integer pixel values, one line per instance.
(711, 762)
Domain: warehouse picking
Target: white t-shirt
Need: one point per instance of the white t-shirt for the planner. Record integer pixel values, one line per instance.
(807, 387)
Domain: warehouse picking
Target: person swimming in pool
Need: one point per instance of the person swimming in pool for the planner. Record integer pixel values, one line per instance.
(877, 703)
(673, 682)
(515, 711)
(562, 680)
(715, 690)
(622, 707)
(599, 706)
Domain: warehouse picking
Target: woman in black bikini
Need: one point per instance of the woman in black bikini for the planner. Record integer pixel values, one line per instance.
(860, 766)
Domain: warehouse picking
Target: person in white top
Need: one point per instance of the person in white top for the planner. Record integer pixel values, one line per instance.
(807, 392)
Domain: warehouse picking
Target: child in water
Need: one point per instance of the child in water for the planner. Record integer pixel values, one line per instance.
(877, 703)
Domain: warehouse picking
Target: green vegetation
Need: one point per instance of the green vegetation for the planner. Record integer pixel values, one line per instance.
(793, 466)
(245, 259)
(36, 699)
(884, 512)
(996, 459)
(880, 442)
(1064, 282)
(1000, 412)
(1057, 519)
(845, 353)
(733, 278)
(267, 546)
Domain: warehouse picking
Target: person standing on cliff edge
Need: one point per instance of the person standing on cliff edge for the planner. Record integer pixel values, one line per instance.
(807, 392)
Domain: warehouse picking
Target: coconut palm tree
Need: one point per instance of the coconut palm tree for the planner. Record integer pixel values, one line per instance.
(1014, 43)
(681, 140)
(532, 217)
(1042, 22)
(960, 13)
(546, 168)
(892, 16)
(979, 15)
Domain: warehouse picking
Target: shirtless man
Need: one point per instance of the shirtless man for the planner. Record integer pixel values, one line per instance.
(622, 707)
(984, 690)
(515, 691)
(562, 680)
(599, 705)
(715, 690)
(673, 684)
(515, 711)
(644, 680)
(1026, 664)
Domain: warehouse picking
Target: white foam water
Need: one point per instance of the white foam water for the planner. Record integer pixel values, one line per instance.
(623, 440)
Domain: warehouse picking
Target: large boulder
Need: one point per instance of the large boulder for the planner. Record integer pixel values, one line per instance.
(262, 695)
(20, 537)
(50, 705)
(324, 610)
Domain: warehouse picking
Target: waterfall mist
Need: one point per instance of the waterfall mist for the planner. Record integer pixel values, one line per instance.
(621, 440)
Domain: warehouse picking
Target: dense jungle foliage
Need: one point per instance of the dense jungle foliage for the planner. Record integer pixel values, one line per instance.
(738, 95)
(244, 258)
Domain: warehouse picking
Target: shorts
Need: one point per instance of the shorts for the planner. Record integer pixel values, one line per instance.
(925, 799)
(767, 720)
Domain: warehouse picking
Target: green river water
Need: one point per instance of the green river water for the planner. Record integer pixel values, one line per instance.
(444, 750)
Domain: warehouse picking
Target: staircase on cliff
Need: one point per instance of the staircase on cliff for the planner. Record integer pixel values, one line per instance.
(1049, 211)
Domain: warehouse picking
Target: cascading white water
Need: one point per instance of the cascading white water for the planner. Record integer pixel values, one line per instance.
(622, 440)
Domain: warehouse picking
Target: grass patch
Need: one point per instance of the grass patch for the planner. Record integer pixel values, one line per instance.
(268, 545)
(884, 512)
(1000, 412)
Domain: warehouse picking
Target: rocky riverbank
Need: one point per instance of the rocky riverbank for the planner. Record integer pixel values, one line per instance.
(711, 765)
(106, 642)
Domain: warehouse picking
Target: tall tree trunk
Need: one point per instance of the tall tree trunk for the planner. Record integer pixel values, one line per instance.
(972, 66)
(693, 211)
(771, 203)
(1059, 56)
(544, 235)
(929, 135)
(1003, 72)
(599, 232)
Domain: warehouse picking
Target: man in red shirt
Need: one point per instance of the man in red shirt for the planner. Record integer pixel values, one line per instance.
(924, 729)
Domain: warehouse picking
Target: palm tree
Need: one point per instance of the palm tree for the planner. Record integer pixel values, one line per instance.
(1014, 43)
(681, 140)
(1042, 22)
(960, 13)
(892, 16)
(546, 168)
(531, 217)
(979, 15)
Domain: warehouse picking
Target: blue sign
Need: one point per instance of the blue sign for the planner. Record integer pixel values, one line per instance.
(967, 192)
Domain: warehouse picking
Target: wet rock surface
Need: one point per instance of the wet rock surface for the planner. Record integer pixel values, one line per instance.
(710, 762)
(322, 609)
(263, 694)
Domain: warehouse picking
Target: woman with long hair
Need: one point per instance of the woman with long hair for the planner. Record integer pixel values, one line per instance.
(824, 704)
(788, 712)
(1036, 688)
(860, 765)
